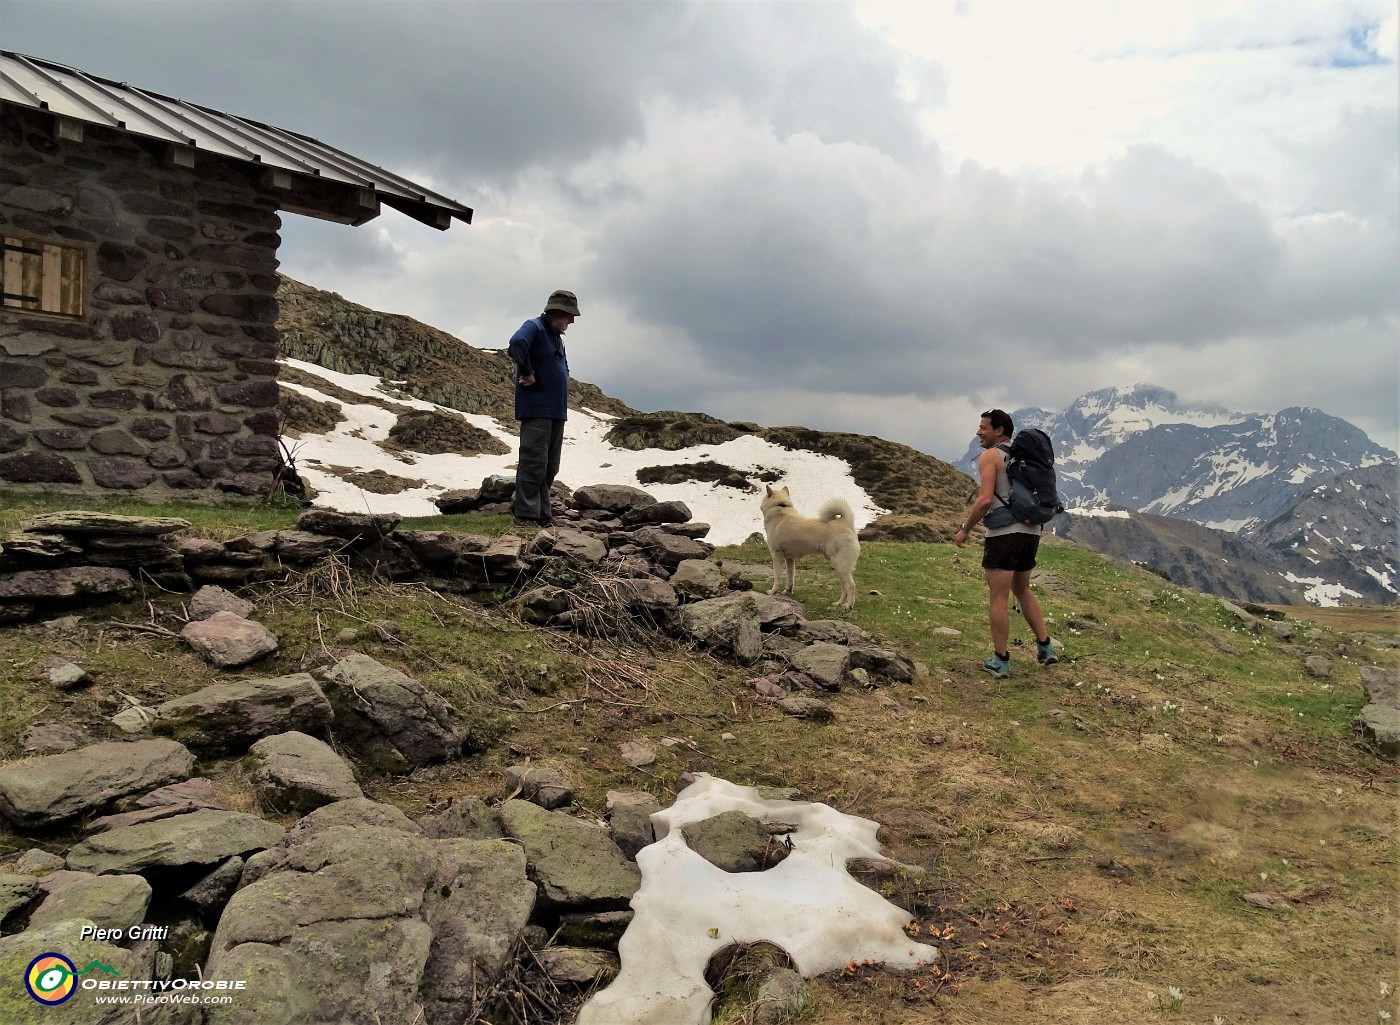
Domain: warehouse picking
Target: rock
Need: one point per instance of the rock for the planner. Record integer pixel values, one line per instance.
(613, 498)
(668, 512)
(363, 529)
(89, 582)
(578, 546)
(196, 838)
(109, 902)
(669, 549)
(700, 578)
(882, 662)
(1283, 631)
(543, 603)
(212, 598)
(54, 789)
(465, 818)
(833, 631)
(1054, 583)
(629, 821)
(1317, 666)
(52, 738)
(228, 640)
(601, 929)
(65, 675)
(135, 719)
(366, 923)
(38, 862)
(576, 866)
(1379, 720)
(829, 664)
(578, 966)
(729, 623)
(1240, 617)
(229, 716)
(297, 773)
(397, 722)
(807, 708)
(639, 596)
(209, 895)
(191, 795)
(781, 997)
(17, 952)
(543, 785)
(16, 890)
(477, 906)
(636, 755)
(87, 522)
(734, 842)
(303, 546)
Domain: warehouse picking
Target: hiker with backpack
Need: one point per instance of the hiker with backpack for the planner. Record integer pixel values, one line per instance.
(1016, 495)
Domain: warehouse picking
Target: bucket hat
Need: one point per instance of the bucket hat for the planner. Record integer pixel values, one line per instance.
(564, 302)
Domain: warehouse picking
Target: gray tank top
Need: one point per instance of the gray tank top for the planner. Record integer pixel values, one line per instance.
(1003, 493)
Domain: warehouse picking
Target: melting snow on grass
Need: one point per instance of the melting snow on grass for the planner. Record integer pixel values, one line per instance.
(733, 514)
(687, 909)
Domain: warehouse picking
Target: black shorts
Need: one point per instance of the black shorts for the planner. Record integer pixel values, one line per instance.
(1015, 552)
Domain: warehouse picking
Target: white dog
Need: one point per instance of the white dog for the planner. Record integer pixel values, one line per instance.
(791, 535)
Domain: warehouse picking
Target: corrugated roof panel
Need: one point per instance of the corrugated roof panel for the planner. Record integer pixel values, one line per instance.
(68, 92)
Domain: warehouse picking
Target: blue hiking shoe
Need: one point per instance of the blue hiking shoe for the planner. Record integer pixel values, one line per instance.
(998, 666)
(1045, 653)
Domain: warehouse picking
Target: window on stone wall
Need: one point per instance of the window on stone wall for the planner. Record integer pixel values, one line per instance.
(43, 278)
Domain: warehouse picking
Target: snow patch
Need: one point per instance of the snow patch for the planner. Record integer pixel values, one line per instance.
(687, 909)
(1320, 592)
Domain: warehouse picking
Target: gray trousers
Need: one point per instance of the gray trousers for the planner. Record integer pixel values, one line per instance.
(541, 440)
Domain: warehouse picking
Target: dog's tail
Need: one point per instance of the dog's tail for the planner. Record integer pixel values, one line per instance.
(838, 509)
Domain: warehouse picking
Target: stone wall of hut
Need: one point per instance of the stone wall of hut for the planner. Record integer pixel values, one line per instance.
(165, 384)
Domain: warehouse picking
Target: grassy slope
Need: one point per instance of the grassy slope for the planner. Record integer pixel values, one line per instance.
(1089, 843)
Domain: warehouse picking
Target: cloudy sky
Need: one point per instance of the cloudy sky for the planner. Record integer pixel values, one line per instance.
(873, 217)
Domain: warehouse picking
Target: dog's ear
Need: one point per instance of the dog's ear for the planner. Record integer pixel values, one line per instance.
(768, 491)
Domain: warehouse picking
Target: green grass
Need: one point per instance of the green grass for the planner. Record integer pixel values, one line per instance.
(1151, 746)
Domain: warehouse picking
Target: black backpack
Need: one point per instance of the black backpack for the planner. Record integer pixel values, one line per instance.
(1030, 467)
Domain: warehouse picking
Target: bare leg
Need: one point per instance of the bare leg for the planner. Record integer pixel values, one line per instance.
(999, 587)
(1030, 604)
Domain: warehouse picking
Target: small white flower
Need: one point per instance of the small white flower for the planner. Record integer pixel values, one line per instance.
(1175, 994)
(1385, 1016)
(1263, 875)
(1216, 1019)
(1385, 989)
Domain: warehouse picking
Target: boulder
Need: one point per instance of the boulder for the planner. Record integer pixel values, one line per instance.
(575, 865)
(629, 820)
(838, 631)
(65, 675)
(829, 664)
(227, 717)
(578, 966)
(639, 596)
(465, 818)
(228, 640)
(397, 722)
(17, 952)
(477, 905)
(90, 582)
(613, 498)
(355, 528)
(543, 785)
(807, 708)
(578, 546)
(661, 512)
(735, 842)
(600, 929)
(669, 549)
(109, 902)
(196, 838)
(882, 662)
(700, 578)
(1379, 720)
(87, 522)
(16, 890)
(52, 738)
(212, 598)
(303, 546)
(54, 789)
(294, 772)
(209, 895)
(729, 623)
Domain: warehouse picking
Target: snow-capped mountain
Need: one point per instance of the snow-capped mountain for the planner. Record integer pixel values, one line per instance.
(1143, 448)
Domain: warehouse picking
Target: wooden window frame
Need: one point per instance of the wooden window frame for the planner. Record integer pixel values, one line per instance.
(46, 278)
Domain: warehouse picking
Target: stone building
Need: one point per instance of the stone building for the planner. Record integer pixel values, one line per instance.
(138, 343)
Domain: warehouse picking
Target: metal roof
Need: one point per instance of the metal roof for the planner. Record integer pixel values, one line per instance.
(71, 94)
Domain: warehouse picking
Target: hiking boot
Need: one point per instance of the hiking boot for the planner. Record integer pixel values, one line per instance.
(998, 666)
(1045, 653)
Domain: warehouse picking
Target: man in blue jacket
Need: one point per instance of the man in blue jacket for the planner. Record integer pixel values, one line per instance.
(541, 405)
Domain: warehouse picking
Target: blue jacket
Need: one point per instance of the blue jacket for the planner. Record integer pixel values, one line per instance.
(536, 350)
